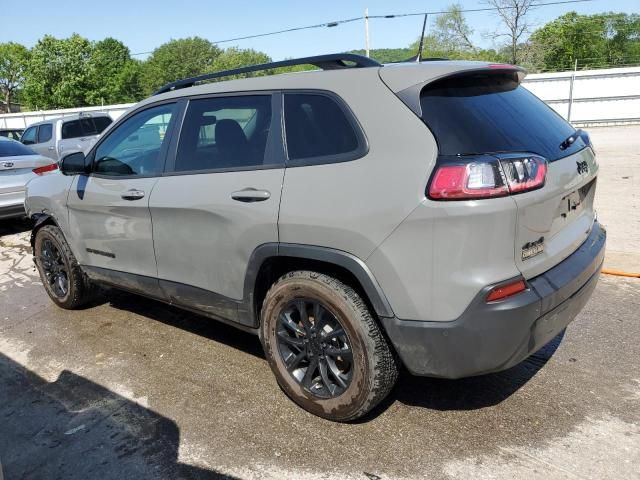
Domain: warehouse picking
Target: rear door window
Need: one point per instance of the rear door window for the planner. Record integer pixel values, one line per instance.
(317, 127)
(489, 113)
(45, 132)
(101, 123)
(72, 129)
(224, 133)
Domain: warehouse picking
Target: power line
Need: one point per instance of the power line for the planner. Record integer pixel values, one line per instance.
(355, 19)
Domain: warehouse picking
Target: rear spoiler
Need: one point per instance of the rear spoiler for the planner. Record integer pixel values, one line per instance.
(410, 96)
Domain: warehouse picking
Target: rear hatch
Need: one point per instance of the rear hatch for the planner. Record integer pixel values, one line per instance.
(485, 113)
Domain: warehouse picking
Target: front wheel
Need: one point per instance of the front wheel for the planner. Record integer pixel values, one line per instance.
(323, 345)
(60, 273)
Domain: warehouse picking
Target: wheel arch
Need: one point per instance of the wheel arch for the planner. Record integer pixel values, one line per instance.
(40, 220)
(270, 261)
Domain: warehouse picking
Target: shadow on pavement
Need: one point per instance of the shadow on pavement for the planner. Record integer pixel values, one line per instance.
(74, 428)
(15, 225)
(474, 392)
(190, 322)
(432, 393)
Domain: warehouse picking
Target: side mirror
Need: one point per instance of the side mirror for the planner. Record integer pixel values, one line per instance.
(73, 164)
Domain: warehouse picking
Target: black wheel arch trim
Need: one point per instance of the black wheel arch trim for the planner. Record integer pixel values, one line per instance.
(40, 220)
(340, 258)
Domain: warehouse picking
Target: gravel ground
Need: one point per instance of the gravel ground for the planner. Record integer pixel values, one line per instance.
(132, 388)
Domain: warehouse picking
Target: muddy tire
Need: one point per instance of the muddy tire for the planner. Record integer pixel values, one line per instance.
(324, 346)
(60, 273)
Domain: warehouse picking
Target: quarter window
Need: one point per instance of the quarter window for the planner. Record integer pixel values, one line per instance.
(134, 147)
(45, 132)
(224, 132)
(316, 126)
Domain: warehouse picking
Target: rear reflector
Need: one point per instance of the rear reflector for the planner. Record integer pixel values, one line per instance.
(500, 293)
(45, 169)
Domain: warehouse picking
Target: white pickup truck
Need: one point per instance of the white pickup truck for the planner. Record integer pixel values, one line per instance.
(57, 137)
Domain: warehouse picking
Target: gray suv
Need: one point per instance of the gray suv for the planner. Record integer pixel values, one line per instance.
(434, 215)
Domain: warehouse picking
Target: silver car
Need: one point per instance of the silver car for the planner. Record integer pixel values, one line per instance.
(435, 215)
(18, 165)
(57, 137)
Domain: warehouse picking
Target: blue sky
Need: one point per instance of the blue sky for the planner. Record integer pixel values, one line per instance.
(143, 25)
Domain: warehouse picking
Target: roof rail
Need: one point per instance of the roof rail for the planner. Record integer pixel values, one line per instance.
(334, 61)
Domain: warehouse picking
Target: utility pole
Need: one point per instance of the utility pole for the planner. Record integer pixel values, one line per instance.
(366, 31)
(571, 81)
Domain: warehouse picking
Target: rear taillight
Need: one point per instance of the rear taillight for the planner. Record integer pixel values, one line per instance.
(487, 177)
(508, 290)
(45, 169)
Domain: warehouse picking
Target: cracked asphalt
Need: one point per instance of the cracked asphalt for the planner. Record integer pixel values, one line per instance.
(131, 388)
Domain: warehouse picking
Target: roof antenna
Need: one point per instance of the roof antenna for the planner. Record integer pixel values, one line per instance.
(417, 58)
(424, 26)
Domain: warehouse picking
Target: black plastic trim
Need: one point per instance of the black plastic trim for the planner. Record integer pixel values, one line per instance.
(243, 312)
(350, 262)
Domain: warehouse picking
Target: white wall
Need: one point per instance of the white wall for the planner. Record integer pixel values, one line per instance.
(599, 96)
(24, 119)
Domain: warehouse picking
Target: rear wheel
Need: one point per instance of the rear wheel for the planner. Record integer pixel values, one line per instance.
(60, 273)
(326, 350)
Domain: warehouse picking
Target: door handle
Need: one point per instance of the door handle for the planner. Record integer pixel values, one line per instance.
(51, 148)
(249, 195)
(133, 194)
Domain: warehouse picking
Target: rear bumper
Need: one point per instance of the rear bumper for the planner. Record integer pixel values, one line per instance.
(12, 204)
(490, 337)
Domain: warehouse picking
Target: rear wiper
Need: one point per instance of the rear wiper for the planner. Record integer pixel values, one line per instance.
(571, 139)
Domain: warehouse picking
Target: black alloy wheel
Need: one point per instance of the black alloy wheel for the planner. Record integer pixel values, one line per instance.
(315, 347)
(54, 269)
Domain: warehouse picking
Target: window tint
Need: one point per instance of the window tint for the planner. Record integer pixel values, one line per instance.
(29, 136)
(9, 148)
(101, 123)
(490, 112)
(45, 132)
(316, 126)
(72, 129)
(224, 132)
(133, 147)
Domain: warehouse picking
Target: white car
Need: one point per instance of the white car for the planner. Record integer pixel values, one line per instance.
(18, 165)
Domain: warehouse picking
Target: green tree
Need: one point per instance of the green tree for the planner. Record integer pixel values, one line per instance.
(178, 59)
(115, 77)
(235, 58)
(593, 40)
(452, 31)
(58, 73)
(14, 59)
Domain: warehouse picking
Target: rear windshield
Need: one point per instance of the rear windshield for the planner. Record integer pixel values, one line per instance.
(489, 112)
(10, 148)
(85, 126)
